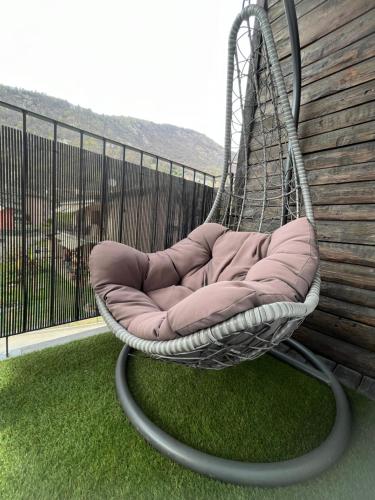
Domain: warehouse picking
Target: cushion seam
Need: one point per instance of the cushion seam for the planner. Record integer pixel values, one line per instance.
(226, 308)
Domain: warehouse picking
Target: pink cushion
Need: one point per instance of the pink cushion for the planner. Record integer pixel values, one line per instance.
(204, 279)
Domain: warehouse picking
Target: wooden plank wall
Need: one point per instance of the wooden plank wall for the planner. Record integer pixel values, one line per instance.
(337, 132)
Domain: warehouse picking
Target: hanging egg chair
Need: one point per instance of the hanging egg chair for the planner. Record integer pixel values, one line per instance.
(263, 209)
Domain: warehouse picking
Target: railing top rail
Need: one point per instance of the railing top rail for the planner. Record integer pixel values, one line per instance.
(58, 123)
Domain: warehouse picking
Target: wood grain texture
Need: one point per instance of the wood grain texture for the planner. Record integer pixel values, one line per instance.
(303, 7)
(349, 77)
(347, 155)
(342, 328)
(345, 212)
(276, 8)
(350, 355)
(324, 19)
(337, 132)
(348, 98)
(362, 113)
(359, 51)
(361, 314)
(357, 29)
(362, 255)
(346, 173)
(354, 134)
(348, 274)
(347, 193)
(349, 294)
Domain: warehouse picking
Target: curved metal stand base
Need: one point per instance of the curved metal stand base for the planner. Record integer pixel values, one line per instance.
(261, 474)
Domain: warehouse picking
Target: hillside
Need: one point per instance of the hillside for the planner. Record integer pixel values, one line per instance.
(180, 144)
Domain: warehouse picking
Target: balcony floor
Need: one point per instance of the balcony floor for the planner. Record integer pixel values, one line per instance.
(63, 434)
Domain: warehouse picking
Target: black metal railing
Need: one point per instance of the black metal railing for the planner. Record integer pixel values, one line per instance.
(62, 190)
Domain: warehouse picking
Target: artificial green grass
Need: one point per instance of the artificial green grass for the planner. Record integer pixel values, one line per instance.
(63, 433)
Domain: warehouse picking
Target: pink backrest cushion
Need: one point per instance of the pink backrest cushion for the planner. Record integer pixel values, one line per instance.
(204, 279)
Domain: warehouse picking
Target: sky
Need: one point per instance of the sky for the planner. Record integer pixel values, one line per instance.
(163, 60)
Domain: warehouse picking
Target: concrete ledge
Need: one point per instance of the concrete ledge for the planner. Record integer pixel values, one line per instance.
(36, 341)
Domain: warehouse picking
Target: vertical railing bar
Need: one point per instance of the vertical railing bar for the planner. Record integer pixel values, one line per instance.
(42, 312)
(193, 204)
(60, 226)
(5, 176)
(6, 180)
(167, 240)
(47, 214)
(34, 175)
(183, 202)
(79, 229)
(69, 195)
(213, 190)
(150, 203)
(122, 195)
(13, 153)
(17, 151)
(24, 173)
(64, 159)
(34, 156)
(3, 242)
(156, 203)
(66, 283)
(47, 174)
(14, 148)
(83, 225)
(58, 262)
(32, 146)
(73, 166)
(40, 316)
(53, 227)
(203, 199)
(93, 174)
(104, 191)
(140, 200)
(30, 210)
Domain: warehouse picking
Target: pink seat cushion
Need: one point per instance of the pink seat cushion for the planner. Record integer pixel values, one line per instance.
(204, 279)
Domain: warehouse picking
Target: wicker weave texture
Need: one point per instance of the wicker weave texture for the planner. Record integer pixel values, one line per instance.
(251, 333)
(280, 318)
(263, 184)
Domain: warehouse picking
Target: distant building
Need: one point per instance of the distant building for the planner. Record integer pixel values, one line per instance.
(6, 219)
(68, 249)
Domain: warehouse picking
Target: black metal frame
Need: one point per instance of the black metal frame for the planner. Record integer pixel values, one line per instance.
(281, 473)
(20, 148)
(57, 123)
(291, 16)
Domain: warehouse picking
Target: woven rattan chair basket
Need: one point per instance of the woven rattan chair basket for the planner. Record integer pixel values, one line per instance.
(252, 333)
(249, 334)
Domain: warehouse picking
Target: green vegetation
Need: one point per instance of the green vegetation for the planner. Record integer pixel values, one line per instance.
(179, 144)
(39, 295)
(63, 434)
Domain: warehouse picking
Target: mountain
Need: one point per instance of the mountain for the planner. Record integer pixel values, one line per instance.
(180, 144)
